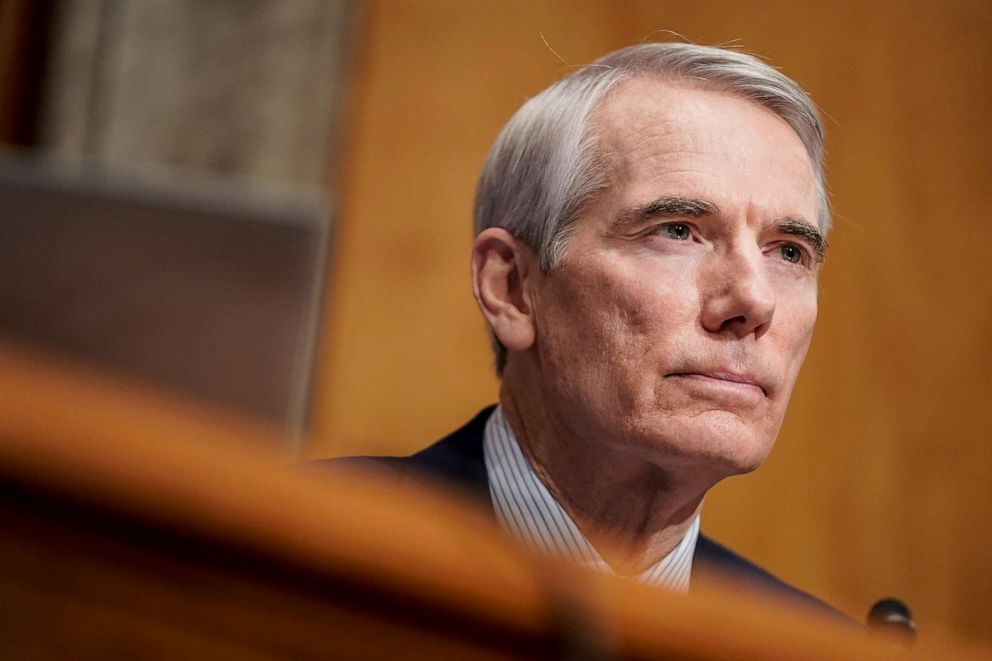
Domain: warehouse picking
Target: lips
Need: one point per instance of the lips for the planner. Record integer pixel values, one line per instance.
(728, 377)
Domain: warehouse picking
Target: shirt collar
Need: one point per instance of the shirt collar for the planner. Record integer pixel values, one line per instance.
(527, 511)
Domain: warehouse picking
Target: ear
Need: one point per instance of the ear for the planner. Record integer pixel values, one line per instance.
(500, 267)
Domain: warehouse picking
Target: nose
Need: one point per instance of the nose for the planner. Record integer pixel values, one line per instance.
(738, 298)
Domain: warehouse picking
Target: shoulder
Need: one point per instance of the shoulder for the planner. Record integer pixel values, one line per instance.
(711, 557)
(457, 460)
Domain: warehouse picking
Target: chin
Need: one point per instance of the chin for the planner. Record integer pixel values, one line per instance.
(719, 445)
(740, 465)
(741, 448)
(738, 459)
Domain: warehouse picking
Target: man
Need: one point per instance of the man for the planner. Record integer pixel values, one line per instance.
(648, 236)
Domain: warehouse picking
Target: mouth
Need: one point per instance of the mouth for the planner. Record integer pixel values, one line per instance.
(727, 379)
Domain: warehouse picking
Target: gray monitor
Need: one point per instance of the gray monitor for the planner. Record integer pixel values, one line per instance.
(210, 288)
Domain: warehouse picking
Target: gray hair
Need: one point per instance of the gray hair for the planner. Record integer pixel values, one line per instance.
(546, 165)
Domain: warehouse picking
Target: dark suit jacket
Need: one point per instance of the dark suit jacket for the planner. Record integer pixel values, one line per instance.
(458, 461)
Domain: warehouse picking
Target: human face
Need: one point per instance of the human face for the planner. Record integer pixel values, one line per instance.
(677, 324)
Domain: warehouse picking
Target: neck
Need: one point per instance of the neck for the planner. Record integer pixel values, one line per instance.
(633, 511)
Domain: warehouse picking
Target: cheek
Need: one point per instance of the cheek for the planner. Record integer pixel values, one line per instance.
(591, 321)
(795, 333)
(624, 314)
(620, 327)
(802, 322)
(587, 323)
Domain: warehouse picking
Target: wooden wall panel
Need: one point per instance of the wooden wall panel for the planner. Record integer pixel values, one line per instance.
(879, 483)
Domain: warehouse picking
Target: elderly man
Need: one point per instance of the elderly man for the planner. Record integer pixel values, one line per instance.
(648, 236)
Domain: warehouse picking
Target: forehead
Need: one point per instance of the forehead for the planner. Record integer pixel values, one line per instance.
(656, 133)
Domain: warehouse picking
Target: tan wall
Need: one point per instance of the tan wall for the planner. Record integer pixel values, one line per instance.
(879, 483)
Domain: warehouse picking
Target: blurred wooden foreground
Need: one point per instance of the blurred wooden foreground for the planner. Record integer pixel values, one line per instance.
(141, 527)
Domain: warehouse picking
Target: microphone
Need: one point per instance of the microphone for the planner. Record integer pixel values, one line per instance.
(891, 614)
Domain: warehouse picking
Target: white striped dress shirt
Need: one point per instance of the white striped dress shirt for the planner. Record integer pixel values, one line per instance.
(527, 510)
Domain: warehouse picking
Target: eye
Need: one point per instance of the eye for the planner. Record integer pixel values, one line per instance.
(677, 231)
(791, 253)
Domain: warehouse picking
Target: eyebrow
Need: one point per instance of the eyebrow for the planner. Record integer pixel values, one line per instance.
(675, 205)
(663, 207)
(803, 228)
